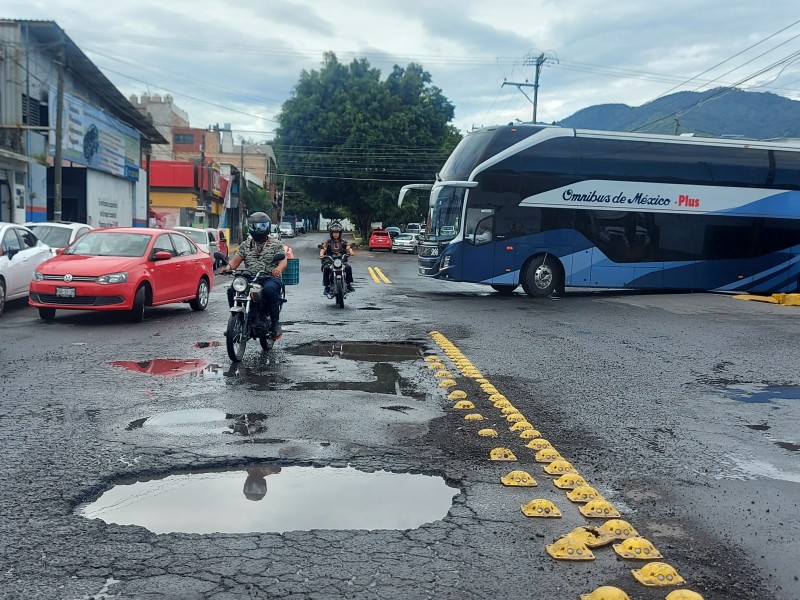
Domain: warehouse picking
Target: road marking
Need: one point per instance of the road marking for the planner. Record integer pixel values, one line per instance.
(472, 377)
(376, 273)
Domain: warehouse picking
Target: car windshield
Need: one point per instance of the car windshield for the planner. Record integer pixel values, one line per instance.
(198, 237)
(404, 237)
(52, 235)
(446, 204)
(97, 243)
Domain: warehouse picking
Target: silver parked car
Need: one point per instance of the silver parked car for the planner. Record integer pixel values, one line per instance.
(405, 242)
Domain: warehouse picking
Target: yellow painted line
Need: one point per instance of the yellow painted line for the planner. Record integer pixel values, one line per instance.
(382, 276)
(461, 363)
(373, 275)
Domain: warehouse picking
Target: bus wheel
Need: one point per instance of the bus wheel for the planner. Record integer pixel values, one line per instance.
(504, 290)
(542, 277)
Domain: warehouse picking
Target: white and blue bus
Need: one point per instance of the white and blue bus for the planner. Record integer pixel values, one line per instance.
(549, 207)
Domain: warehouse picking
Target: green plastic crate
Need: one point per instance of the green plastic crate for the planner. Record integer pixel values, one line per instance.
(291, 275)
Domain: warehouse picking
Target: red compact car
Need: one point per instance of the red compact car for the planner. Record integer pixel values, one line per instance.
(123, 269)
(380, 240)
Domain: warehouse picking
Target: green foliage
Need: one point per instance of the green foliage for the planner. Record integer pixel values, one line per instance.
(349, 140)
(257, 199)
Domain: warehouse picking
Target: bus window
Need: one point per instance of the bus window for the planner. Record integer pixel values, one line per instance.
(479, 225)
(787, 166)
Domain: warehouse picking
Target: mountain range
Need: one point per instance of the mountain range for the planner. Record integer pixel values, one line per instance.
(721, 112)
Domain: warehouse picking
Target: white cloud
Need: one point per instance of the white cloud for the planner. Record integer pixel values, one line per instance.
(237, 62)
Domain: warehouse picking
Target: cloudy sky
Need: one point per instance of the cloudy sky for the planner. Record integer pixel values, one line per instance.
(237, 61)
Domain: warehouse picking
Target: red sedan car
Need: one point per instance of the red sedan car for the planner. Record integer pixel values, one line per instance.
(380, 239)
(123, 269)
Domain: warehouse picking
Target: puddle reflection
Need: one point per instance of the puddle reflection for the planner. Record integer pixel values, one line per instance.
(366, 351)
(201, 421)
(268, 498)
(387, 381)
(759, 393)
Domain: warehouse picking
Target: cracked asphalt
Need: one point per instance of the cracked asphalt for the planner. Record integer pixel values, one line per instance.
(655, 398)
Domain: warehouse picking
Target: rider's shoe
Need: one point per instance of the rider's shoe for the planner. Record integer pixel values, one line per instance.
(327, 290)
(276, 332)
(350, 288)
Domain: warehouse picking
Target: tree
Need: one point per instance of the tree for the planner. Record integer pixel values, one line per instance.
(349, 140)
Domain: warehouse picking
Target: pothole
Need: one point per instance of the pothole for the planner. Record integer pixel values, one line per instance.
(212, 344)
(366, 351)
(760, 427)
(788, 446)
(387, 381)
(269, 498)
(201, 421)
(166, 367)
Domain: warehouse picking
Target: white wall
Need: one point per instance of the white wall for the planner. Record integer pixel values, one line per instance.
(109, 200)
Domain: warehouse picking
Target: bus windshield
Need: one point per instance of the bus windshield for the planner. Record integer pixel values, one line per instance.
(445, 212)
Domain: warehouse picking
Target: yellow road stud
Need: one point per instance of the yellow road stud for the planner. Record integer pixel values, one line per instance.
(584, 493)
(446, 383)
(487, 433)
(481, 381)
(683, 595)
(457, 395)
(569, 481)
(547, 455)
(502, 404)
(443, 374)
(432, 358)
(606, 592)
(530, 434)
(497, 398)
(473, 417)
(540, 507)
(473, 374)
(489, 388)
(501, 454)
(657, 574)
(637, 548)
(515, 417)
(569, 548)
(436, 366)
(538, 444)
(518, 479)
(463, 405)
(590, 536)
(509, 410)
(599, 509)
(520, 426)
(559, 467)
(617, 529)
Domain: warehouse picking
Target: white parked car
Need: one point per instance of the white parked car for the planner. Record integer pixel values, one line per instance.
(58, 234)
(413, 228)
(287, 230)
(20, 253)
(206, 239)
(405, 242)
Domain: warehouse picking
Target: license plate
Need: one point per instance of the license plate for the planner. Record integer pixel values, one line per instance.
(65, 292)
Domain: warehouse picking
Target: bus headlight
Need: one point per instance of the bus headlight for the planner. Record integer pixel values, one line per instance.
(239, 284)
(446, 261)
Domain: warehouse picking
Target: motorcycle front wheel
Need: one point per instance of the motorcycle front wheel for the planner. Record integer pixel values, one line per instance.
(236, 336)
(339, 294)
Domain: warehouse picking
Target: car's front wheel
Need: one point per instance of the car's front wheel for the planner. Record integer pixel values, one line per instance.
(136, 314)
(2, 296)
(200, 301)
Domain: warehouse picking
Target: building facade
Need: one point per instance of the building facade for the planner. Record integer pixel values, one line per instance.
(165, 115)
(102, 140)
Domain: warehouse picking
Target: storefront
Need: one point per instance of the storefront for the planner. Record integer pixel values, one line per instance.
(185, 194)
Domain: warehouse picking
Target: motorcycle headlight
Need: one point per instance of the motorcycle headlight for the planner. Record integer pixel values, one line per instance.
(113, 278)
(38, 276)
(239, 284)
(337, 262)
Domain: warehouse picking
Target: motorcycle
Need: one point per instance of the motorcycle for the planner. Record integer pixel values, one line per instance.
(247, 320)
(338, 286)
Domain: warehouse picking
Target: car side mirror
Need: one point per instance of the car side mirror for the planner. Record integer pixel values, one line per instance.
(11, 253)
(162, 255)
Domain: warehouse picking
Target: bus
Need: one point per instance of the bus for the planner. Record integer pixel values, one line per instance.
(548, 207)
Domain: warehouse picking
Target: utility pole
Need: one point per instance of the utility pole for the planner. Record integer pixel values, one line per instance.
(57, 159)
(283, 199)
(538, 62)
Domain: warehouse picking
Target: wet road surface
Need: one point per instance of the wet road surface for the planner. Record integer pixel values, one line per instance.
(682, 410)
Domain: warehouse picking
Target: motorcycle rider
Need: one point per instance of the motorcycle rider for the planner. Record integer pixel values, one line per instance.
(335, 245)
(257, 253)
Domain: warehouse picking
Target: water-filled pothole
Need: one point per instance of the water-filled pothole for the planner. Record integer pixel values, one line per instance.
(760, 427)
(202, 421)
(269, 498)
(759, 393)
(387, 381)
(165, 366)
(788, 446)
(366, 351)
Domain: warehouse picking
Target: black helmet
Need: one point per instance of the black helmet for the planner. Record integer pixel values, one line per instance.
(258, 226)
(335, 226)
